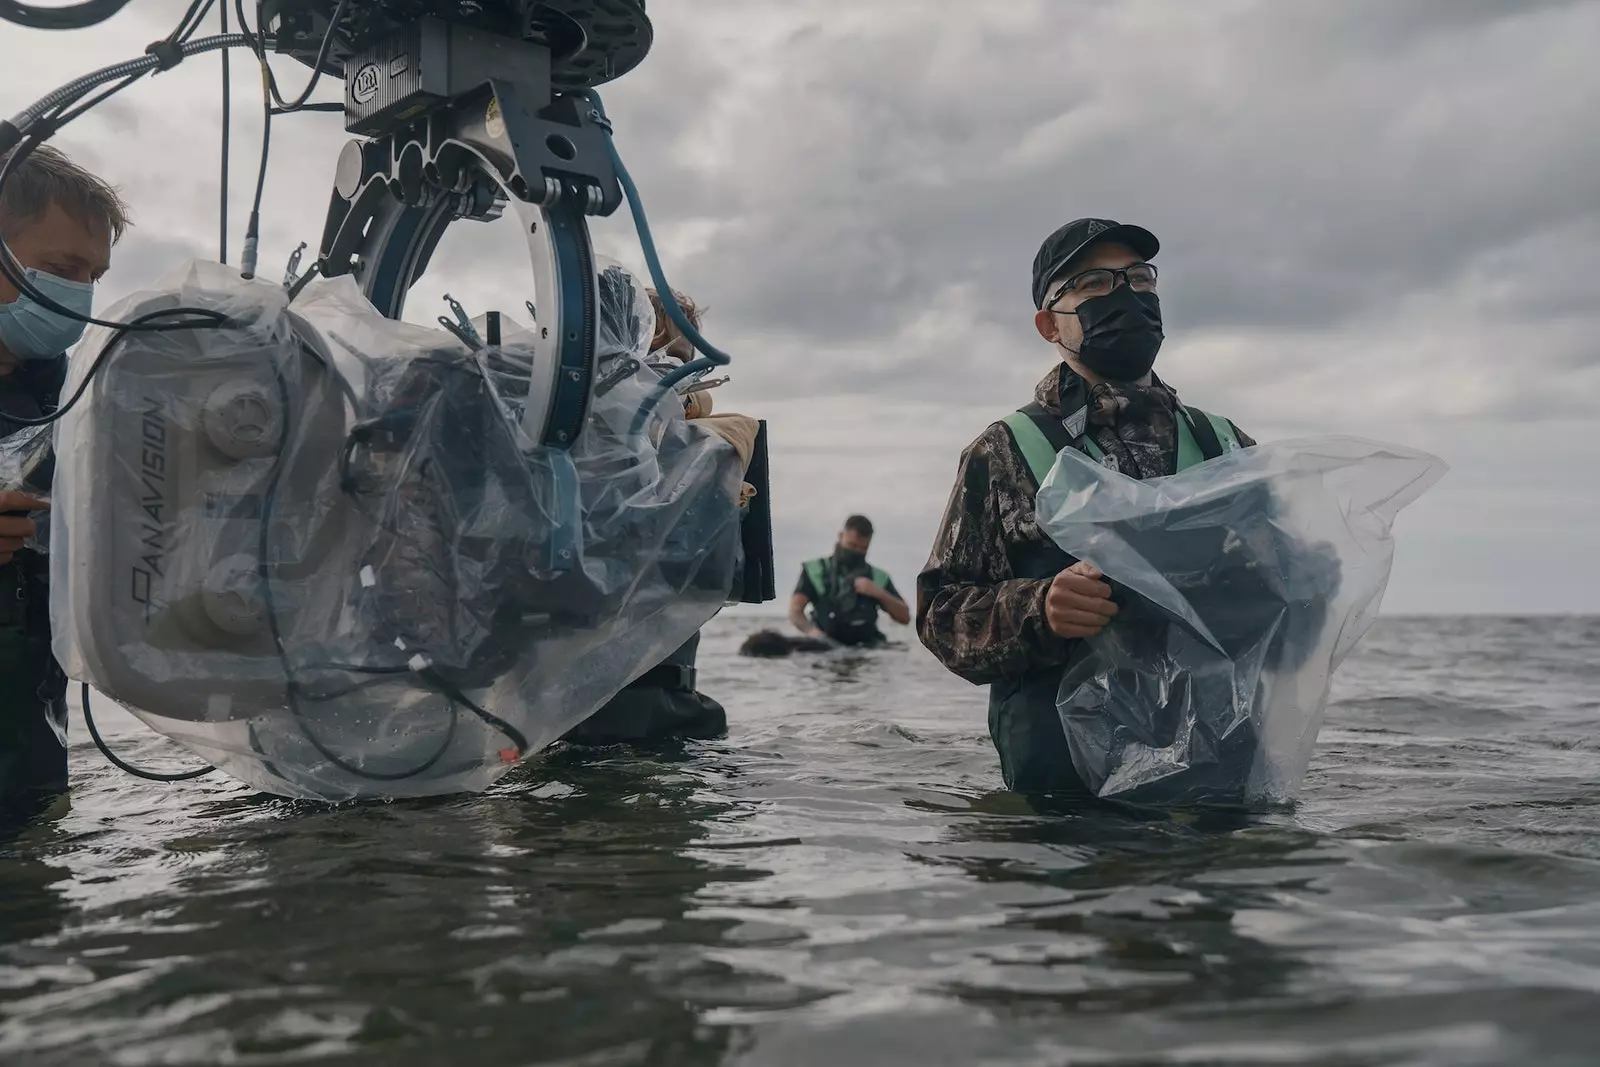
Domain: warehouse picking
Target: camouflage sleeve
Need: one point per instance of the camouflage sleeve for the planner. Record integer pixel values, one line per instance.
(979, 620)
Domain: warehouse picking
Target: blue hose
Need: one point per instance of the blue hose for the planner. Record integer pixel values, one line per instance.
(711, 356)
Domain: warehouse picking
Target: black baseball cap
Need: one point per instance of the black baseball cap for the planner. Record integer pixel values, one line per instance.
(1061, 247)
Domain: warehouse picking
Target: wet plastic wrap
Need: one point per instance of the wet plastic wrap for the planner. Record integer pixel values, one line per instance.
(316, 547)
(1242, 585)
(27, 464)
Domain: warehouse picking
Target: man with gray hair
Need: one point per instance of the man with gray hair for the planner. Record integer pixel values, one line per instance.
(58, 223)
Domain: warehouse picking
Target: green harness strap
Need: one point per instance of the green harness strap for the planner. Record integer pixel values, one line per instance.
(1041, 455)
(817, 569)
(1035, 446)
(818, 575)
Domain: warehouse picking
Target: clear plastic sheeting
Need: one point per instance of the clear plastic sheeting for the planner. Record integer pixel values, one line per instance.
(317, 547)
(26, 462)
(1242, 585)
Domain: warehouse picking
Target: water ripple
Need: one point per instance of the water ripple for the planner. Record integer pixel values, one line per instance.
(841, 881)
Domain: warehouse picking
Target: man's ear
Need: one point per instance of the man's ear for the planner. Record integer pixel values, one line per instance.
(1045, 322)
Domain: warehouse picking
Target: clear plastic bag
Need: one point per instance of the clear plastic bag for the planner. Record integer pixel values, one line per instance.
(315, 545)
(1242, 585)
(27, 460)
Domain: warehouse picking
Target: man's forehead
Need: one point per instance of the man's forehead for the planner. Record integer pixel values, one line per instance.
(64, 232)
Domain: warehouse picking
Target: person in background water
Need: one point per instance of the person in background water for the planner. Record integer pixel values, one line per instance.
(60, 223)
(845, 592)
(663, 704)
(998, 603)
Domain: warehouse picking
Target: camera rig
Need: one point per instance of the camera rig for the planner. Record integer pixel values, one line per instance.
(459, 110)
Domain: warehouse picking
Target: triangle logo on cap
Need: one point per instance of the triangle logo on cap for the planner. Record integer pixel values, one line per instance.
(1096, 226)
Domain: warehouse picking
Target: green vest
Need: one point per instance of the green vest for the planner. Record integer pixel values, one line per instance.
(817, 571)
(839, 611)
(1041, 454)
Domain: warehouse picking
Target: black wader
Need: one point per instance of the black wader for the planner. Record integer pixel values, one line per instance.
(661, 705)
(1024, 719)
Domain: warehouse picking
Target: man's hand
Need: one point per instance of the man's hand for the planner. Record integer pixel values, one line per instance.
(797, 616)
(16, 529)
(897, 609)
(1079, 602)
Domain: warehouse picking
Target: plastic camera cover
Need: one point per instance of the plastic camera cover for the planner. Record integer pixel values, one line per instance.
(313, 545)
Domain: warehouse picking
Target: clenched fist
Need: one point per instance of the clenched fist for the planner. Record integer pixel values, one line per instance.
(1079, 602)
(16, 529)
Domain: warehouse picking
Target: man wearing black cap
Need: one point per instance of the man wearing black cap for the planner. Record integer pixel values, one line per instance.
(998, 603)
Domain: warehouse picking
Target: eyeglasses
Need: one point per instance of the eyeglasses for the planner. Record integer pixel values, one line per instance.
(1141, 277)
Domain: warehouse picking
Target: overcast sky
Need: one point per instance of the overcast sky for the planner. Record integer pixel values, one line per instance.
(1378, 217)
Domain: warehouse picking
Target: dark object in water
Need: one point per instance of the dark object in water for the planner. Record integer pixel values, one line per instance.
(770, 644)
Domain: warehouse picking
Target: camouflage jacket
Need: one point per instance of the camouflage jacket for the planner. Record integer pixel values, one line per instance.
(974, 612)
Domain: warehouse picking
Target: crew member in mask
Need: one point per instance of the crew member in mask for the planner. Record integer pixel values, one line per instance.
(59, 223)
(998, 603)
(845, 593)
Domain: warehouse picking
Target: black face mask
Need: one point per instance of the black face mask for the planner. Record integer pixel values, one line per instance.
(849, 559)
(1121, 334)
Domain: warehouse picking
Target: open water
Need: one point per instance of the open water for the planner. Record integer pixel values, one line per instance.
(842, 881)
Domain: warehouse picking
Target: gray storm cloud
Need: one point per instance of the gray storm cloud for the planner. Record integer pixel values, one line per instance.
(1374, 215)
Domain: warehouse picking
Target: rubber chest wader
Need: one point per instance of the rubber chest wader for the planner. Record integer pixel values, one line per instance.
(842, 613)
(660, 705)
(33, 690)
(1023, 721)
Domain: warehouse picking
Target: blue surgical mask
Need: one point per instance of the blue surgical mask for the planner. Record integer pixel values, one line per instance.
(31, 331)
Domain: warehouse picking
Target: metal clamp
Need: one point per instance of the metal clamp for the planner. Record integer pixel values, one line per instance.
(496, 135)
